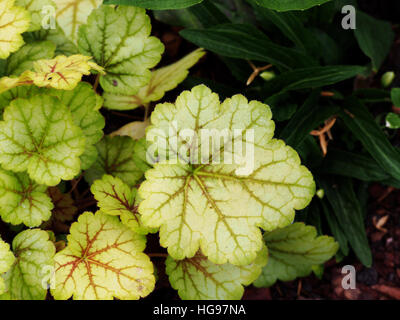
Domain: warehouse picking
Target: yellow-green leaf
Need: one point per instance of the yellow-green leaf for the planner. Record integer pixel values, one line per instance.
(71, 14)
(119, 40)
(6, 261)
(118, 199)
(38, 135)
(35, 7)
(22, 200)
(162, 80)
(60, 73)
(199, 279)
(198, 202)
(103, 260)
(29, 276)
(14, 20)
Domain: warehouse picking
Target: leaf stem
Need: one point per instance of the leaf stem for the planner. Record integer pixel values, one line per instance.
(96, 82)
(157, 255)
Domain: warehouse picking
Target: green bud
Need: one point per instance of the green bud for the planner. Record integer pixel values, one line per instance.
(387, 79)
(267, 75)
(320, 193)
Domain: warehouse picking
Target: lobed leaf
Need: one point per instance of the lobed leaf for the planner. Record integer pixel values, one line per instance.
(6, 261)
(197, 278)
(22, 200)
(14, 21)
(218, 207)
(26, 280)
(117, 199)
(293, 251)
(38, 135)
(71, 14)
(116, 157)
(119, 40)
(103, 259)
(36, 9)
(60, 73)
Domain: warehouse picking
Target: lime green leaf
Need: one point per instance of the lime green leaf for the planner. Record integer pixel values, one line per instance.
(156, 4)
(60, 73)
(22, 200)
(162, 80)
(215, 206)
(84, 105)
(119, 40)
(376, 48)
(25, 57)
(71, 14)
(6, 261)
(199, 279)
(393, 120)
(117, 198)
(116, 157)
(38, 135)
(35, 7)
(293, 251)
(287, 5)
(26, 280)
(13, 21)
(103, 259)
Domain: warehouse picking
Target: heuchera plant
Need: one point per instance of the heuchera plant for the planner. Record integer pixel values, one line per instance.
(224, 228)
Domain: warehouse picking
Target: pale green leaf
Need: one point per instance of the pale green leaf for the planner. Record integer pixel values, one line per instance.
(136, 130)
(199, 279)
(103, 259)
(116, 157)
(6, 261)
(119, 40)
(22, 200)
(118, 199)
(219, 207)
(71, 14)
(38, 135)
(28, 278)
(162, 80)
(293, 251)
(14, 21)
(36, 9)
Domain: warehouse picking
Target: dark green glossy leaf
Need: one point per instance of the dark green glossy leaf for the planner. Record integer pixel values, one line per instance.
(246, 42)
(347, 209)
(287, 5)
(363, 126)
(375, 37)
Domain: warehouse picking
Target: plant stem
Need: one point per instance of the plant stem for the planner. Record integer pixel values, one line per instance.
(96, 83)
(157, 255)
